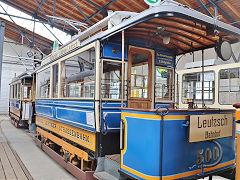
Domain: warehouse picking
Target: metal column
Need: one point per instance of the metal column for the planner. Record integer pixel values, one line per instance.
(2, 31)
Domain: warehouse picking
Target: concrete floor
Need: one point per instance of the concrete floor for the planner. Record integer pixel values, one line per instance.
(38, 163)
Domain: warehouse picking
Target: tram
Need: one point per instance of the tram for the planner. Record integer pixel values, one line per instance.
(22, 100)
(221, 85)
(105, 104)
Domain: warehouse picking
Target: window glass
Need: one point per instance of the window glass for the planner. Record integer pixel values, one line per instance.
(11, 90)
(229, 83)
(27, 92)
(164, 86)
(18, 91)
(192, 87)
(139, 76)
(78, 75)
(55, 81)
(44, 83)
(15, 91)
(111, 80)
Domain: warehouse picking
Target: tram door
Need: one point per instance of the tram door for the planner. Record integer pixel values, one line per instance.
(140, 78)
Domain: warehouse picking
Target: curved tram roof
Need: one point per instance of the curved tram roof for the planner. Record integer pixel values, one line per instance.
(189, 30)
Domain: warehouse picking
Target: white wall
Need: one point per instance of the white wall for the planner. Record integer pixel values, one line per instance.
(10, 68)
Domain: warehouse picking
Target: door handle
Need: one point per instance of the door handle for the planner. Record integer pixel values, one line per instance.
(122, 134)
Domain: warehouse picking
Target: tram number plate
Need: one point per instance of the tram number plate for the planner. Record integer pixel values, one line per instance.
(210, 126)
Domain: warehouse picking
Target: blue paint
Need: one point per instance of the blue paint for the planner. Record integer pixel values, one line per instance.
(113, 50)
(70, 112)
(164, 58)
(15, 103)
(111, 113)
(143, 146)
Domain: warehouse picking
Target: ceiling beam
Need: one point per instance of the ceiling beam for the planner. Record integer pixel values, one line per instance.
(45, 14)
(52, 34)
(102, 9)
(86, 18)
(224, 13)
(42, 1)
(209, 5)
(40, 41)
(204, 8)
(94, 4)
(21, 32)
(62, 28)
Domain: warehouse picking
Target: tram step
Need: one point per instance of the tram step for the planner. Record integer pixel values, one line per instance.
(104, 176)
(108, 169)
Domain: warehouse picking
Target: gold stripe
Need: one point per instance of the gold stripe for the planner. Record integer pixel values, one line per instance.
(82, 137)
(192, 173)
(146, 116)
(187, 174)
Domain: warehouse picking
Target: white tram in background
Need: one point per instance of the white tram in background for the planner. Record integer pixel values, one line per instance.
(221, 85)
(22, 100)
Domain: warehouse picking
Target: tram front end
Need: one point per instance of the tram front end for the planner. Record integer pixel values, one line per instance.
(177, 144)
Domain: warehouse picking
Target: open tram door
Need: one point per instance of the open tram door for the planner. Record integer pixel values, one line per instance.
(140, 78)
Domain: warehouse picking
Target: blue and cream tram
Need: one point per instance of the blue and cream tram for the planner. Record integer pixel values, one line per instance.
(21, 99)
(108, 95)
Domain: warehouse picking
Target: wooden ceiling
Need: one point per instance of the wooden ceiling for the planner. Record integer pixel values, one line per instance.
(36, 41)
(92, 11)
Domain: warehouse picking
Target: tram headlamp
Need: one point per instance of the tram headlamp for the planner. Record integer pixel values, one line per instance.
(166, 39)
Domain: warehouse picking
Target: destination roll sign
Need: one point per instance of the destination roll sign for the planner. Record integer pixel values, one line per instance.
(210, 126)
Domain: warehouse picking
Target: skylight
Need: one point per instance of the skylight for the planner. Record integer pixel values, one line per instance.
(39, 27)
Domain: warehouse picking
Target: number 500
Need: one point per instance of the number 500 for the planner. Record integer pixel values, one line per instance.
(206, 155)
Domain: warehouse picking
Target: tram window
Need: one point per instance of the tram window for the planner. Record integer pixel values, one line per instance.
(111, 80)
(18, 91)
(13, 92)
(10, 92)
(139, 76)
(44, 83)
(27, 92)
(78, 75)
(163, 85)
(55, 81)
(192, 87)
(229, 86)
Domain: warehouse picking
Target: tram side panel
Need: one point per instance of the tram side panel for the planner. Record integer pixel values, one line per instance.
(73, 120)
(15, 109)
(180, 158)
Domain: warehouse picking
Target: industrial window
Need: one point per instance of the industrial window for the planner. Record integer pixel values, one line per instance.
(78, 75)
(55, 81)
(43, 79)
(163, 85)
(111, 80)
(192, 87)
(229, 86)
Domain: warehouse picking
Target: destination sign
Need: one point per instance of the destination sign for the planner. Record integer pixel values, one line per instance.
(82, 137)
(164, 59)
(61, 52)
(210, 126)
